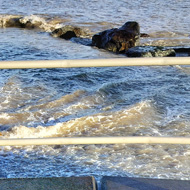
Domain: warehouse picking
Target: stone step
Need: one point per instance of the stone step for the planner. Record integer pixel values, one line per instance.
(127, 183)
(89, 183)
(55, 183)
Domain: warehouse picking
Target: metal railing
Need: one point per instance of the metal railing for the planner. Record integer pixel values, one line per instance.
(166, 61)
(117, 62)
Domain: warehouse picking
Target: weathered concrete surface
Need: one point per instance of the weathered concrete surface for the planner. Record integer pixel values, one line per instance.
(60, 183)
(126, 183)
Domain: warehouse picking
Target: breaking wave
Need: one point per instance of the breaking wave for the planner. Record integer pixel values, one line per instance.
(43, 23)
(105, 102)
(127, 122)
(30, 22)
(49, 24)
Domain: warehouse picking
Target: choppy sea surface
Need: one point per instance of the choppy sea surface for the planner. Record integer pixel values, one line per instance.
(109, 101)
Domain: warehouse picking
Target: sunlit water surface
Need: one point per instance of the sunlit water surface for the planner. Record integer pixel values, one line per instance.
(115, 101)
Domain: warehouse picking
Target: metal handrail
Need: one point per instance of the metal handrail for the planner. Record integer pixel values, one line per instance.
(93, 140)
(161, 61)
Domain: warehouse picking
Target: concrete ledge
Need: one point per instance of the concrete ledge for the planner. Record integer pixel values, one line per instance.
(126, 183)
(60, 183)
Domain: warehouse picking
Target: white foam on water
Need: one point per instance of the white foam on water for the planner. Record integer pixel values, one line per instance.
(5, 116)
(88, 116)
(124, 122)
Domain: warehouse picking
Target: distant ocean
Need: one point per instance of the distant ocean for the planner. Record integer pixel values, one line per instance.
(109, 101)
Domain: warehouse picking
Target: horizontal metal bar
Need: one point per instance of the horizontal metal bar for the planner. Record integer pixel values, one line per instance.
(160, 61)
(94, 140)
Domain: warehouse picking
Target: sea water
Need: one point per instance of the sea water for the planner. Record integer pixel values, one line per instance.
(88, 102)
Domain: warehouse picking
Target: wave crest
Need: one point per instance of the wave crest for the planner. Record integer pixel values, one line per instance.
(130, 121)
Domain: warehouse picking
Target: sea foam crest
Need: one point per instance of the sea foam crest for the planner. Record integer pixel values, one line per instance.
(31, 21)
(123, 122)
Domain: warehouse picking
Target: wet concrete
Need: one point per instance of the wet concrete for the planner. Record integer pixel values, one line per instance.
(60, 183)
(126, 183)
(89, 183)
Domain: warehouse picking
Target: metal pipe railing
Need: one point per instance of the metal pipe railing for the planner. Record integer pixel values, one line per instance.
(160, 61)
(94, 140)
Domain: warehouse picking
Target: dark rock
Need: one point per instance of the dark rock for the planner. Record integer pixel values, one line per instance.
(30, 25)
(150, 51)
(83, 41)
(22, 22)
(118, 39)
(13, 22)
(182, 51)
(144, 35)
(68, 32)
